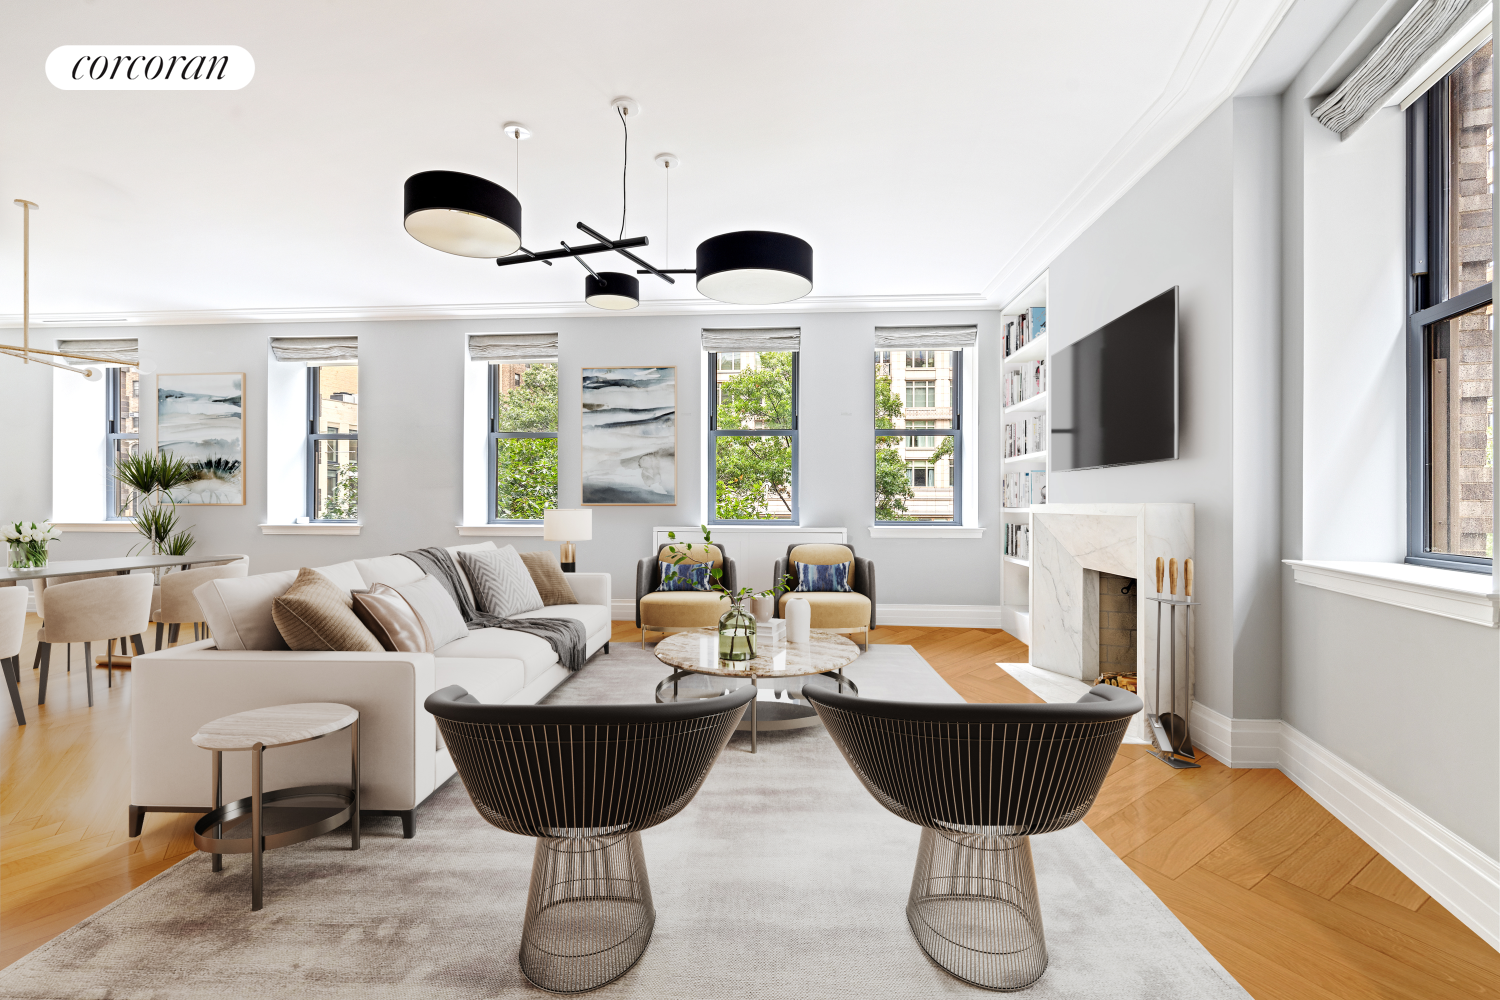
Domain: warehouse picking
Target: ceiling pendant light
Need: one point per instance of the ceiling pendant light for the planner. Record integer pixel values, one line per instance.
(472, 217)
(23, 351)
(611, 290)
(754, 267)
(462, 214)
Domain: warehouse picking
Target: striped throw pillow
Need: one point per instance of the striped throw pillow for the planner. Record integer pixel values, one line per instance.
(832, 577)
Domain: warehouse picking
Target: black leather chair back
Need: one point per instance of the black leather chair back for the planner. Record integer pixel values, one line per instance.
(1005, 770)
(583, 771)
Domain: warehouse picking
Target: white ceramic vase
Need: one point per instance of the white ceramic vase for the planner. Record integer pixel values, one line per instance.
(798, 620)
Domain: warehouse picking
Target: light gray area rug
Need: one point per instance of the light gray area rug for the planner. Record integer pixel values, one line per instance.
(783, 878)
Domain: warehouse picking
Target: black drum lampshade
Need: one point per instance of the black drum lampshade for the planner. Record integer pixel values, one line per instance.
(612, 290)
(755, 267)
(462, 214)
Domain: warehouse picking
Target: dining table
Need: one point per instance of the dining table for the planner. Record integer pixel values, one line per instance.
(65, 569)
(60, 570)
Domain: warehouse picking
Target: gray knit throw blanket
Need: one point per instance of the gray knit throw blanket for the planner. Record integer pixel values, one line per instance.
(566, 635)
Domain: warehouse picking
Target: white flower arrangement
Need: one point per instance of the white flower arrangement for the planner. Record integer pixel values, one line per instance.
(28, 542)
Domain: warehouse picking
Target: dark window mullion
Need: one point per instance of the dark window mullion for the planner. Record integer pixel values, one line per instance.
(792, 434)
(1430, 142)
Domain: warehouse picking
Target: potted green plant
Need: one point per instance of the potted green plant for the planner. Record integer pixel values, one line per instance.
(737, 626)
(153, 477)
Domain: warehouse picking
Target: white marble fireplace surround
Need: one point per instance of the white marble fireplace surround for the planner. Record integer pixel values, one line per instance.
(1071, 544)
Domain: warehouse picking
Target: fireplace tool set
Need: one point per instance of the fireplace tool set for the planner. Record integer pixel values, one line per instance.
(1169, 730)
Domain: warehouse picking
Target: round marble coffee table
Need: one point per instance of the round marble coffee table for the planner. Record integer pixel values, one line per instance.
(784, 666)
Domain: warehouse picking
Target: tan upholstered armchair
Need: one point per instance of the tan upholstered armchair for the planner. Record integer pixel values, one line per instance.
(836, 612)
(669, 611)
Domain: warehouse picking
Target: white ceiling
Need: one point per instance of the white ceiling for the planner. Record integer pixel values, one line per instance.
(935, 154)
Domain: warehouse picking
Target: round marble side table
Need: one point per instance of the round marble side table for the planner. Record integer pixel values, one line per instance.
(318, 808)
(695, 655)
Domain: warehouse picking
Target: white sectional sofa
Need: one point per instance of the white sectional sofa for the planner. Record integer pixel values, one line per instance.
(247, 665)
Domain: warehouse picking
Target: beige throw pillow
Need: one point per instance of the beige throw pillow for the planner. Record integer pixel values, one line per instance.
(392, 620)
(440, 616)
(551, 582)
(315, 614)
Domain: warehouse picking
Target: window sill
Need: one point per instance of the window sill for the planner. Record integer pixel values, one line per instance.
(120, 527)
(310, 529)
(1446, 592)
(513, 530)
(924, 531)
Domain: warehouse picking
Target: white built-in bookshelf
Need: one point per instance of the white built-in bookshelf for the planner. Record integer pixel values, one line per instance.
(1024, 432)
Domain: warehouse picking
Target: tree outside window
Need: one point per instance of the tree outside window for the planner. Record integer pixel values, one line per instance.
(523, 439)
(752, 446)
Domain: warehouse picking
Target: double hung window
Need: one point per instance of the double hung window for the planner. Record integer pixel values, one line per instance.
(333, 442)
(919, 387)
(523, 440)
(1450, 329)
(122, 432)
(753, 425)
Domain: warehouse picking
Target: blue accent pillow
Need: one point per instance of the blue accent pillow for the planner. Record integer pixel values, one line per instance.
(830, 578)
(688, 576)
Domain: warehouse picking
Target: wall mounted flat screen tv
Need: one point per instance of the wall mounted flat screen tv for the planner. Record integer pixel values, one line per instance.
(1114, 393)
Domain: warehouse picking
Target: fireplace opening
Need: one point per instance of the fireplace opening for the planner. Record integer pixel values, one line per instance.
(1117, 631)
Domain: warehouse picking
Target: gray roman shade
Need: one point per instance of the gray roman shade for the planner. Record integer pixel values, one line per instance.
(126, 352)
(1427, 27)
(317, 350)
(513, 347)
(925, 338)
(756, 339)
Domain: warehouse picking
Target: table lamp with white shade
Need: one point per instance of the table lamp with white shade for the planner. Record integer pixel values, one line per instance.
(568, 526)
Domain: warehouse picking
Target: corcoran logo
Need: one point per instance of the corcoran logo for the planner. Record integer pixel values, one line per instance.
(149, 67)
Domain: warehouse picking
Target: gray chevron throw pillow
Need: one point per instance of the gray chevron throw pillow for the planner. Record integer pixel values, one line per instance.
(501, 583)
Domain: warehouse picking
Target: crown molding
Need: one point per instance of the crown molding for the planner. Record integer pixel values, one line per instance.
(1147, 142)
(500, 310)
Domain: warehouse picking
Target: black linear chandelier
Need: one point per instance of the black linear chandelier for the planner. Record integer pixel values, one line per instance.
(469, 216)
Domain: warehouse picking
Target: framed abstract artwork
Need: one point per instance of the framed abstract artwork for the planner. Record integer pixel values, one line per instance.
(629, 436)
(200, 418)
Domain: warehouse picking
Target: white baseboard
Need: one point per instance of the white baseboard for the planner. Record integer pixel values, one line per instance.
(1448, 868)
(931, 615)
(1236, 742)
(939, 615)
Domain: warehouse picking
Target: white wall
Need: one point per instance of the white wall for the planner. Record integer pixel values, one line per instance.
(1409, 698)
(412, 440)
(25, 435)
(1173, 228)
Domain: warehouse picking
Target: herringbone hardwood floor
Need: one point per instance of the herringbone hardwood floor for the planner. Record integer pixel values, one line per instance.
(1284, 895)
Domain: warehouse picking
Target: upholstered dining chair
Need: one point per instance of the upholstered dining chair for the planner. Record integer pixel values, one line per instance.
(88, 610)
(584, 780)
(668, 611)
(39, 589)
(980, 780)
(175, 604)
(12, 634)
(833, 611)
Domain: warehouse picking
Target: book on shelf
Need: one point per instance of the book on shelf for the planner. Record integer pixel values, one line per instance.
(1025, 436)
(1024, 382)
(1023, 329)
(1024, 489)
(1018, 541)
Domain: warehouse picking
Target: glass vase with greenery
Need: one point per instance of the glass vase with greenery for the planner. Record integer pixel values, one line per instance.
(152, 477)
(737, 627)
(28, 543)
